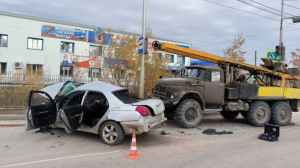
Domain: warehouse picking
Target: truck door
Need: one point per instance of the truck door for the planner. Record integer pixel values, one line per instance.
(214, 89)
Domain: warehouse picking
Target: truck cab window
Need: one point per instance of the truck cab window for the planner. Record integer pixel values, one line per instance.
(199, 74)
(214, 76)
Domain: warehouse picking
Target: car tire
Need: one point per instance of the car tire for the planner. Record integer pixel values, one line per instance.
(281, 113)
(188, 113)
(259, 114)
(111, 133)
(229, 115)
(244, 114)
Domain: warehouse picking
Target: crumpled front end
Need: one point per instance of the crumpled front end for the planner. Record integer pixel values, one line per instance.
(144, 124)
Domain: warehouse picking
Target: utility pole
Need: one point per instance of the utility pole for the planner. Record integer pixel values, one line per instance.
(255, 57)
(280, 41)
(142, 78)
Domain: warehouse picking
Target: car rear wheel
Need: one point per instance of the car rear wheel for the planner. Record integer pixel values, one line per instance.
(188, 113)
(111, 133)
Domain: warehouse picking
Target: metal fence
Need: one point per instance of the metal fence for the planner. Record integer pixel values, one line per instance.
(43, 79)
(14, 88)
(13, 99)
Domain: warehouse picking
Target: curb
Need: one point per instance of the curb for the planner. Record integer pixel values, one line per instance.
(12, 117)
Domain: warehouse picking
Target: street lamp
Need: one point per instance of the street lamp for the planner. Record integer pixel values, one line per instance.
(296, 19)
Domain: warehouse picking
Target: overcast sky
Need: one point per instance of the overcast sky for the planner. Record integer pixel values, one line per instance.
(198, 22)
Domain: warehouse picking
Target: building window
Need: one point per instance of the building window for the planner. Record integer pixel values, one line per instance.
(95, 72)
(34, 43)
(95, 50)
(3, 40)
(180, 59)
(66, 71)
(119, 74)
(160, 56)
(169, 58)
(66, 47)
(35, 68)
(3, 68)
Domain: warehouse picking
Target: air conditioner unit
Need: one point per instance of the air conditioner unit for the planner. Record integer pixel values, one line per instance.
(18, 65)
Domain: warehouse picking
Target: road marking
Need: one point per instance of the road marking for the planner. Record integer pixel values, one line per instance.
(69, 157)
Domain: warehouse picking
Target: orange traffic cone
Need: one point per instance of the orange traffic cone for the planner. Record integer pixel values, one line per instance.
(133, 150)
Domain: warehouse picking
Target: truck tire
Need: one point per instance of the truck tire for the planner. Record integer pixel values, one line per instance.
(229, 115)
(281, 113)
(259, 114)
(188, 113)
(170, 113)
(244, 114)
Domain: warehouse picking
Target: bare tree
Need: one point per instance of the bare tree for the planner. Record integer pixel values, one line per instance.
(235, 51)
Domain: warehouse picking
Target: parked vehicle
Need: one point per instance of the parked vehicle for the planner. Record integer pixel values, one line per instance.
(96, 107)
(271, 98)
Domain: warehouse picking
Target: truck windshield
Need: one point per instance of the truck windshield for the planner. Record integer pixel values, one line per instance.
(196, 74)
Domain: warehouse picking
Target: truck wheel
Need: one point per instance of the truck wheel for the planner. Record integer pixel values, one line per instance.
(170, 113)
(229, 115)
(281, 113)
(259, 114)
(244, 114)
(188, 113)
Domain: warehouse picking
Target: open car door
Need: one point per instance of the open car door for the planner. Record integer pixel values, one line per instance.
(41, 110)
(71, 113)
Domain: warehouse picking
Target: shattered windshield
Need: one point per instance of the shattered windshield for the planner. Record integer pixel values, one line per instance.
(196, 74)
(68, 87)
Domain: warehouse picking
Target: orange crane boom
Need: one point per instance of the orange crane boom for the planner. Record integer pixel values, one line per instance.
(220, 60)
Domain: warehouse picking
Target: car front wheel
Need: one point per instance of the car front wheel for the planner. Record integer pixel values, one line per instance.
(111, 133)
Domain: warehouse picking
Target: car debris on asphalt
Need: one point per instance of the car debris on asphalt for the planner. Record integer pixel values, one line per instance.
(211, 131)
(163, 132)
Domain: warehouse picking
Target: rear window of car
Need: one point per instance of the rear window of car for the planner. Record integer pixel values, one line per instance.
(126, 97)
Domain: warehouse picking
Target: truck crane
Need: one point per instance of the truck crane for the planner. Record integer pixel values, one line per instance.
(270, 99)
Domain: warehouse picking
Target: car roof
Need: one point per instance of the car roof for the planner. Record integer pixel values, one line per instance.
(212, 68)
(99, 86)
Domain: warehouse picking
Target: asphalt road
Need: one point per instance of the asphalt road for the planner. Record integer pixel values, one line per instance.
(189, 149)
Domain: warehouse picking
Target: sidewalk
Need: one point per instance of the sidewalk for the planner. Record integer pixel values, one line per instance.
(11, 117)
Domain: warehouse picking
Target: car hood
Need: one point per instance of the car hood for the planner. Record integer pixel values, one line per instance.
(175, 81)
(64, 88)
(156, 104)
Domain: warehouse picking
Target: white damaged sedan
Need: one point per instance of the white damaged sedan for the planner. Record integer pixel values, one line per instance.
(96, 107)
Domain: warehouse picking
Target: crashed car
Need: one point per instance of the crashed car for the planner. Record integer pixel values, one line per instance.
(96, 107)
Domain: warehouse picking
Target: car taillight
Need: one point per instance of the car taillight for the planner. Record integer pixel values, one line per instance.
(144, 111)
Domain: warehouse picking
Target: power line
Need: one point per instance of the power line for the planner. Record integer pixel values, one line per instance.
(247, 12)
(252, 35)
(292, 6)
(269, 7)
(248, 39)
(272, 12)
